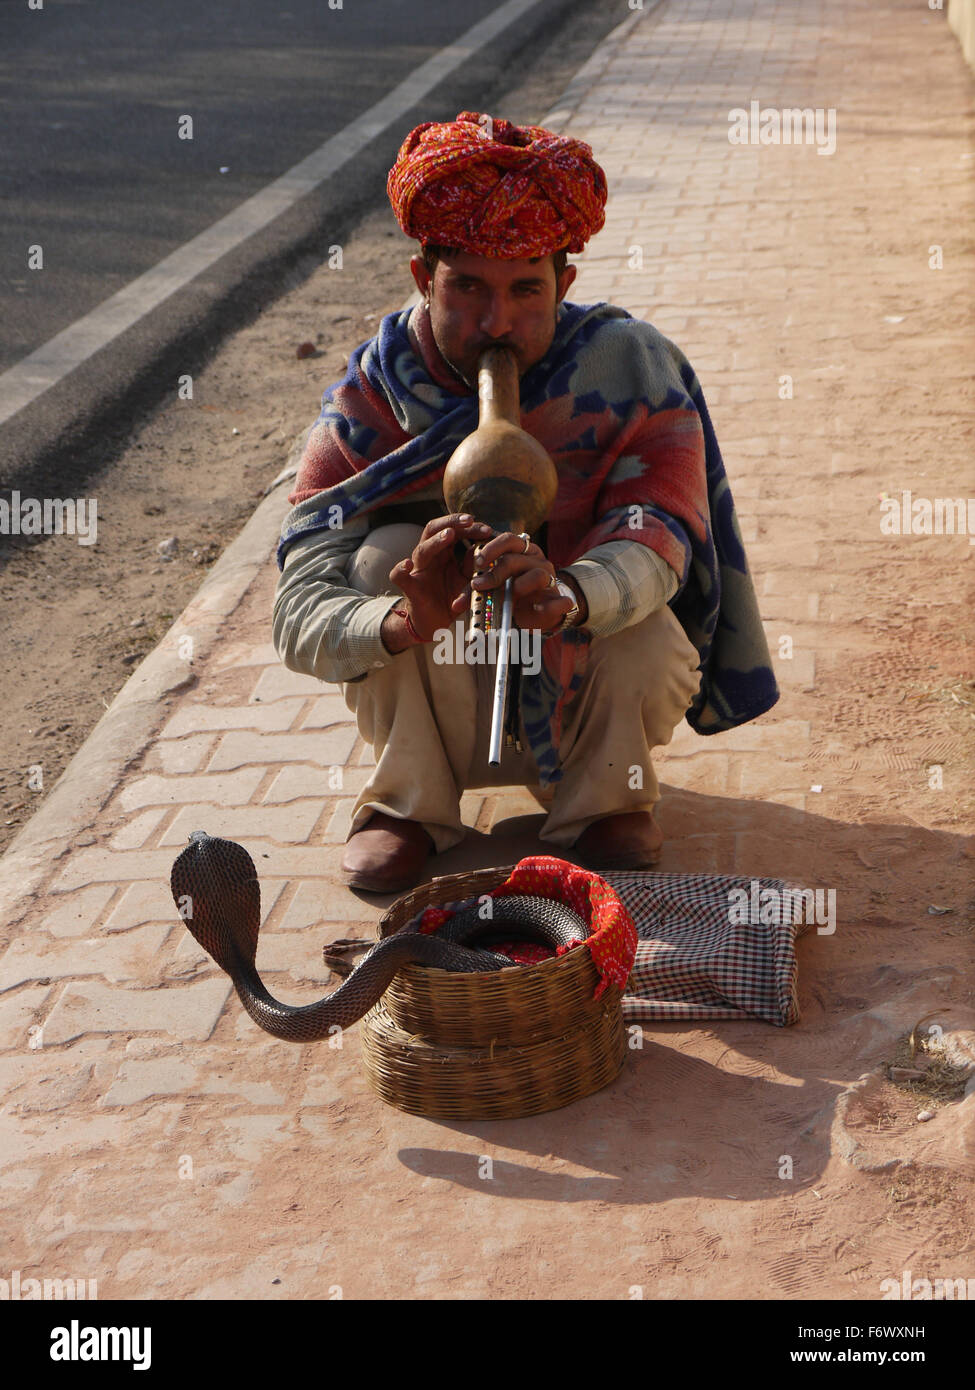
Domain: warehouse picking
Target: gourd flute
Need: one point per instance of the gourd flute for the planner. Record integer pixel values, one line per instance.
(502, 476)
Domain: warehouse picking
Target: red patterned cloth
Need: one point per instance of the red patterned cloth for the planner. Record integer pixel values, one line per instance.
(613, 940)
(491, 188)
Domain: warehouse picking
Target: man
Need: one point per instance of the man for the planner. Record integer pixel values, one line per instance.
(636, 587)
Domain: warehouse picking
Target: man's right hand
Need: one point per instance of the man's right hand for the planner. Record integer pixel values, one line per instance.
(435, 583)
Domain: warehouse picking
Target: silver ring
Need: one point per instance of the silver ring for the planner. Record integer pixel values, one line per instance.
(553, 583)
(528, 541)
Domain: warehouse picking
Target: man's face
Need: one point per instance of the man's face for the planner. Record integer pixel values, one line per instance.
(477, 302)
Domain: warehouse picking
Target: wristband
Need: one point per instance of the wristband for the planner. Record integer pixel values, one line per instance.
(402, 613)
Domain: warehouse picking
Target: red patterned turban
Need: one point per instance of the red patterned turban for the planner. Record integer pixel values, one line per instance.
(492, 188)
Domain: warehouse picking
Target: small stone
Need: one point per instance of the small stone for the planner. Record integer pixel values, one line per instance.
(906, 1074)
(168, 548)
(305, 350)
(137, 622)
(925, 1115)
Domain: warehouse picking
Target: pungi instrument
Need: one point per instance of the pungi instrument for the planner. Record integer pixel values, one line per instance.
(502, 476)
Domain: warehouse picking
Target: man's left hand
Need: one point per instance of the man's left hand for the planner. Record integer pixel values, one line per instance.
(537, 602)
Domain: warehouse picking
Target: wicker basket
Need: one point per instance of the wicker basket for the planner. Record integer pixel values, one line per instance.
(527, 1004)
(493, 1046)
(491, 1083)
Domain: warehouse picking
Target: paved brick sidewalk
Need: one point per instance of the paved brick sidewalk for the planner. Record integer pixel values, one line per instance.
(154, 1139)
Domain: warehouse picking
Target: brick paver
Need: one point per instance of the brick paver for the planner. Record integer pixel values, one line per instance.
(753, 258)
(189, 1012)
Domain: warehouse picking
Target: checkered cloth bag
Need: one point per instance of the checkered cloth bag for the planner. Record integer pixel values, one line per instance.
(695, 961)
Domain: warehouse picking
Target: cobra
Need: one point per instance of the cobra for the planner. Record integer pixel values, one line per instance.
(217, 893)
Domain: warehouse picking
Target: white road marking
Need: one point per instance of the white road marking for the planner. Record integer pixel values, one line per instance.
(51, 362)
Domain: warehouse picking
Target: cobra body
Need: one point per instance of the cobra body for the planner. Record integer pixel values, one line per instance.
(217, 893)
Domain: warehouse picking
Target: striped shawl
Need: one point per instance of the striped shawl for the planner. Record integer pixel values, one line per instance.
(622, 414)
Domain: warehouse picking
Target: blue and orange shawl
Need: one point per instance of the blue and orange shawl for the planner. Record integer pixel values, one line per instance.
(621, 411)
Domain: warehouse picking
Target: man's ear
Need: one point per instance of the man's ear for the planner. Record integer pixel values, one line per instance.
(421, 275)
(565, 280)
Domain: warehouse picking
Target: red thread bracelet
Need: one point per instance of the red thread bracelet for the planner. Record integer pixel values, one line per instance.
(402, 613)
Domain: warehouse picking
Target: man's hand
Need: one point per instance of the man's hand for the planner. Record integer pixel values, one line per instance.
(537, 602)
(434, 581)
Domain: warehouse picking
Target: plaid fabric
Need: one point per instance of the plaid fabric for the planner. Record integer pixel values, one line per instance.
(693, 959)
(320, 626)
(694, 962)
(623, 584)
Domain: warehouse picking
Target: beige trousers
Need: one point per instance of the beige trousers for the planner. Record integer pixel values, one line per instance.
(429, 723)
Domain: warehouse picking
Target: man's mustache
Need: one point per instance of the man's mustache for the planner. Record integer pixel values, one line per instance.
(494, 343)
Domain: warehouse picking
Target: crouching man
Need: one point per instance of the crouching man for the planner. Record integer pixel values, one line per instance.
(633, 601)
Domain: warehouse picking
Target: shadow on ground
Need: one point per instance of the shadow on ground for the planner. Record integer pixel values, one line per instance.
(716, 1109)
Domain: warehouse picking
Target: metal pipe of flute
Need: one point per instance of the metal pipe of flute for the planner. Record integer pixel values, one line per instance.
(501, 677)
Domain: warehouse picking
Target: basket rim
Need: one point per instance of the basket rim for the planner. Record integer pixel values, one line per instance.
(572, 960)
(396, 909)
(568, 960)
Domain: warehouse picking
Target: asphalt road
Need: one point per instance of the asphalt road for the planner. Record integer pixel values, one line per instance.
(94, 172)
(92, 166)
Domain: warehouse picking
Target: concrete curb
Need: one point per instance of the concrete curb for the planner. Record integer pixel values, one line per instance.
(137, 711)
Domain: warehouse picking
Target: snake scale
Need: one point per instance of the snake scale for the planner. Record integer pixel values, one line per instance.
(218, 896)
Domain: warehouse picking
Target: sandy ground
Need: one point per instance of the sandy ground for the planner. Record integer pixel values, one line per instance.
(76, 618)
(673, 1178)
